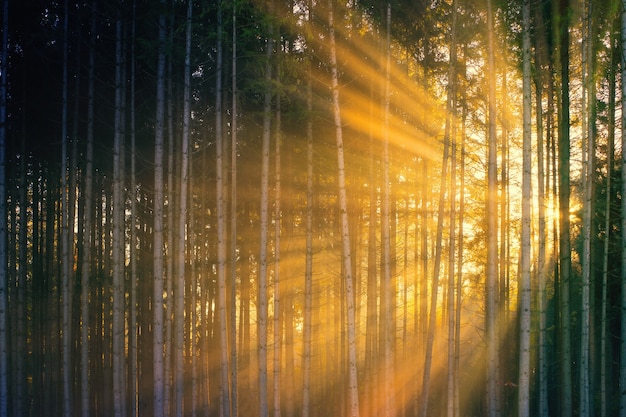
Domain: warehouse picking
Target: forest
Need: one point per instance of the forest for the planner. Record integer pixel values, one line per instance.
(386, 208)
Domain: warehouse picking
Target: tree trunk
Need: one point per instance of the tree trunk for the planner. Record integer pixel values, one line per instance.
(588, 173)
(387, 279)
(179, 293)
(222, 238)
(564, 211)
(157, 307)
(525, 288)
(264, 225)
(451, 129)
(66, 278)
(234, 367)
(353, 392)
(622, 366)
(308, 272)
(118, 208)
(493, 338)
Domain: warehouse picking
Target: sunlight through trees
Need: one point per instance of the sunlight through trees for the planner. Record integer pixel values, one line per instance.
(312, 208)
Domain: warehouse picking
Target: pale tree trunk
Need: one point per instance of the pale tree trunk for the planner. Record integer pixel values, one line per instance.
(622, 374)
(222, 240)
(353, 393)
(493, 402)
(451, 122)
(87, 223)
(607, 226)
(588, 150)
(308, 272)
(66, 279)
(278, 334)
(170, 227)
(564, 204)
(118, 208)
(386, 279)
(525, 289)
(179, 293)
(541, 59)
(157, 307)
(133, 393)
(234, 368)
(264, 225)
(459, 278)
(432, 317)
(4, 375)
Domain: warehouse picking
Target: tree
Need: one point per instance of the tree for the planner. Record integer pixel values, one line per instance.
(525, 287)
(65, 234)
(264, 226)
(158, 271)
(353, 391)
(622, 366)
(179, 292)
(493, 406)
(565, 261)
(118, 208)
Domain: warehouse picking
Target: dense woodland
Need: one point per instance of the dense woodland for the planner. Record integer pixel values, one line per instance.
(312, 208)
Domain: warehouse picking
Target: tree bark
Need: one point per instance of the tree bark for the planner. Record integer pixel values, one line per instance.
(525, 288)
(158, 271)
(353, 393)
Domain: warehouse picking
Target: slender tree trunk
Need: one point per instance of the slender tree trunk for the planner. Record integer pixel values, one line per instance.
(133, 333)
(87, 223)
(622, 367)
(540, 61)
(493, 401)
(264, 225)
(66, 279)
(234, 367)
(564, 211)
(525, 289)
(588, 172)
(222, 240)
(386, 279)
(432, 319)
(607, 226)
(353, 392)
(158, 271)
(118, 208)
(308, 272)
(452, 120)
(278, 308)
(182, 215)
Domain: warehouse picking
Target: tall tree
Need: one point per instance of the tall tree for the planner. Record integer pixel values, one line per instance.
(66, 279)
(451, 119)
(525, 288)
(87, 221)
(221, 222)
(622, 366)
(264, 225)
(493, 406)
(565, 260)
(353, 390)
(387, 279)
(181, 253)
(118, 208)
(588, 104)
(308, 271)
(158, 270)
